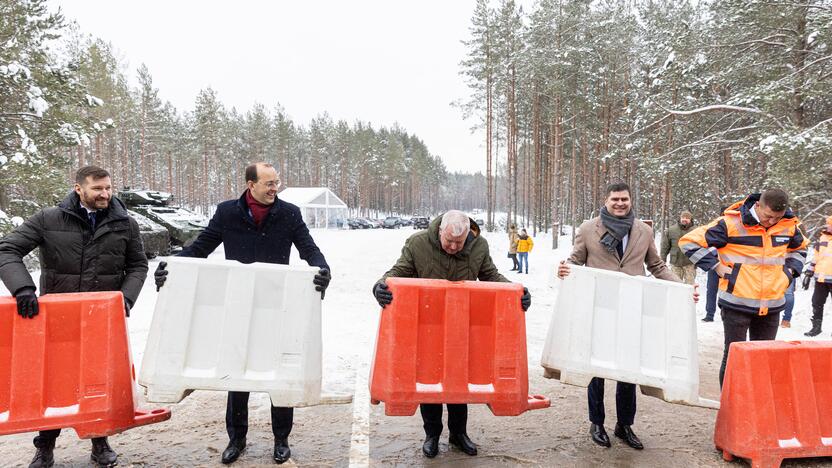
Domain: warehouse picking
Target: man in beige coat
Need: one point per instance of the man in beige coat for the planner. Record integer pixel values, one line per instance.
(616, 241)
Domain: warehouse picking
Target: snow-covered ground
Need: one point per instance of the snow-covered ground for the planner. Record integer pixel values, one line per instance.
(325, 435)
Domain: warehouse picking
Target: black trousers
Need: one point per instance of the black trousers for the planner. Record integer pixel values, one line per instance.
(514, 259)
(236, 418)
(739, 326)
(819, 300)
(432, 418)
(625, 402)
(48, 437)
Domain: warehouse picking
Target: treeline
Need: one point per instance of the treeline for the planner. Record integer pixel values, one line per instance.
(66, 101)
(694, 103)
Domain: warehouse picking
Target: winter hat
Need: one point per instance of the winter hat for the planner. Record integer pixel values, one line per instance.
(686, 214)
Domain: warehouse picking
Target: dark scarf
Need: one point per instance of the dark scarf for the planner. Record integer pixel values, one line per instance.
(616, 228)
(258, 210)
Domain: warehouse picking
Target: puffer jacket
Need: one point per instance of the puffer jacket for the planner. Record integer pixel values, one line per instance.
(73, 258)
(763, 261)
(525, 244)
(821, 265)
(422, 257)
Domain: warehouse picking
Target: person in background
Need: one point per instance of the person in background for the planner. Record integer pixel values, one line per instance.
(512, 246)
(679, 263)
(711, 288)
(524, 246)
(821, 270)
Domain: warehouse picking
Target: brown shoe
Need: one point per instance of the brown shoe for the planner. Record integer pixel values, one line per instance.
(785, 324)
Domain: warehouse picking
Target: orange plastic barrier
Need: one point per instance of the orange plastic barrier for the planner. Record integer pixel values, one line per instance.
(776, 402)
(69, 366)
(452, 342)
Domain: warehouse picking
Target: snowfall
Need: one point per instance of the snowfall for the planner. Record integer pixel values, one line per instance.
(359, 434)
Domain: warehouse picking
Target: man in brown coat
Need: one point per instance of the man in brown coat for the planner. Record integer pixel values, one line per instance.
(616, 241)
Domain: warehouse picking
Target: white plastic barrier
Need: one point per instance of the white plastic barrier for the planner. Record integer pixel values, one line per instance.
(626, 328)
(224, 325)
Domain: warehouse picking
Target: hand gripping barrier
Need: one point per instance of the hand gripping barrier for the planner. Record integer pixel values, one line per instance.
(776, 402)
(223, 325)
(626, 328)
(452, 342)
(69, 366)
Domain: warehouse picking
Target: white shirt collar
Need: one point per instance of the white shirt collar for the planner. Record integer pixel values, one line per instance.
(754, 213)
(88, 210)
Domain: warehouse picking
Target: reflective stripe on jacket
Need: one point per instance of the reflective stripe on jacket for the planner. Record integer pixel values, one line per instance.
(762, 261)
(822, 261)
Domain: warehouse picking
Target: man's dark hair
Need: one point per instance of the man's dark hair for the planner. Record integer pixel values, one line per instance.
(90, 171)
(775, 198)
(251, 170)
(618, 186)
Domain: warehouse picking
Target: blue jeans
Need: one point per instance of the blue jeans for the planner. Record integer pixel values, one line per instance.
(787, 313)
(523, 257)
(712, 288)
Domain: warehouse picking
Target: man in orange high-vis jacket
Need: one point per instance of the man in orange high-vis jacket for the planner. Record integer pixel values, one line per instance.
(756, 248)
(821, 269)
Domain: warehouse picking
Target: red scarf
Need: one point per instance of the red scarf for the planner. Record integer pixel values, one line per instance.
(258, 210)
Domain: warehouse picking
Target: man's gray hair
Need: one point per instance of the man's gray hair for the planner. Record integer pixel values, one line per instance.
(455, 222)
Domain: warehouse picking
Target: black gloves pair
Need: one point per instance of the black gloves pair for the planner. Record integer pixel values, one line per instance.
(321, 280)
(807, 279)
(27, 303)
(384, 296)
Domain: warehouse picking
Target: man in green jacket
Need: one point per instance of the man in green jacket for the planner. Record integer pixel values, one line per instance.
(679, 263)
(450, 249)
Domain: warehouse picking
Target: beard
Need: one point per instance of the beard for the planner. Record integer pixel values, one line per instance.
(92, 202)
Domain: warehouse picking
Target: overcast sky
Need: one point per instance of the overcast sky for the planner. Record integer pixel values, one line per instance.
(377, 61)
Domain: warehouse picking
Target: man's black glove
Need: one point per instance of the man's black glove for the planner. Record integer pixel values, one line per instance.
(161, 275)
(807, 279)
(526, 299)
(382, 294)
(27, 303)
(127, 306)
(321, 280)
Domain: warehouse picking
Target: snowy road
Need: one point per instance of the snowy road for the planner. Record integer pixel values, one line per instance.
(337, 435)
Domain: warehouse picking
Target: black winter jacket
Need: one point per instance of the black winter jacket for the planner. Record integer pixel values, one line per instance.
(233, 226)
(73, 258)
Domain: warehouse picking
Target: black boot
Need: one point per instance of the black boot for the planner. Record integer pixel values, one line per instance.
(282, 452)
(626, 434)
(462, 442)
(599, 435)
(43, 456)
(815, 331)
(102, 454)
(431, 446)
(233, 451)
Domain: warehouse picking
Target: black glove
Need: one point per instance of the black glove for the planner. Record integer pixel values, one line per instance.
(321, 280)
(27, 303)
(526, 299)
(382, 294)
(127, 306)
(807, 279)
(161, 275)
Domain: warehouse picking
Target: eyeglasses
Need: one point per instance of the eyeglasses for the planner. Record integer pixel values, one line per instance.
(272, 185)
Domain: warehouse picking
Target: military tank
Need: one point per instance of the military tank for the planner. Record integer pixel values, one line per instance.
(182, 224)
(155, 237)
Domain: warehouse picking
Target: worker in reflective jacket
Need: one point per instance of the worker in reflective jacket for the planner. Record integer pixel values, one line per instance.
(821, 269)
(756, 249)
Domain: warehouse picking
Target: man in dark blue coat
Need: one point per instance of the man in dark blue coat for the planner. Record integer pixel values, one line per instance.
(257, 227)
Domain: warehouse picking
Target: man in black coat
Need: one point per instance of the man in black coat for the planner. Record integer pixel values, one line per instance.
(257, 227)
(87, 243)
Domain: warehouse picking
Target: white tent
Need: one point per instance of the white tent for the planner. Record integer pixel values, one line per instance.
(319, 206)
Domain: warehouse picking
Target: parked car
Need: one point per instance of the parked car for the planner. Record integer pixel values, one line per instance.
(420, 222)
(357, 223)
(391, 222)
(406, 222)
(374, 223)
(480, 222)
